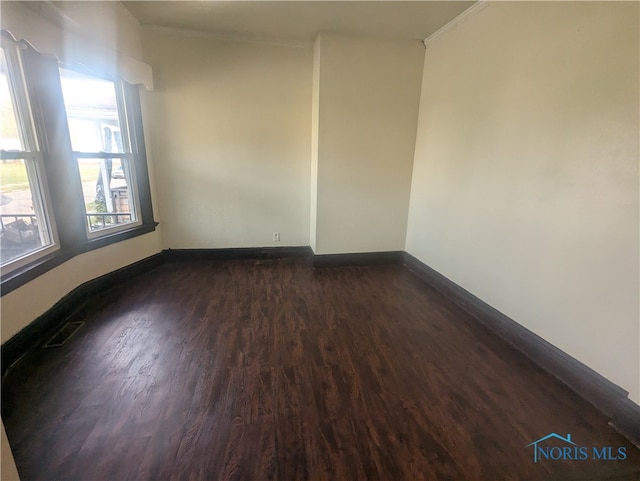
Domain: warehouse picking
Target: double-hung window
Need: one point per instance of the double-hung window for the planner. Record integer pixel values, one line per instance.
(98, 123)
(26, 228)
(73, 171)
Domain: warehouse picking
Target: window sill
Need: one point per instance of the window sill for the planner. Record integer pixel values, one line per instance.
(29, 272)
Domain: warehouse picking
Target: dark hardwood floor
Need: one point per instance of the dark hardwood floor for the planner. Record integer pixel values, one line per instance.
(254, 370)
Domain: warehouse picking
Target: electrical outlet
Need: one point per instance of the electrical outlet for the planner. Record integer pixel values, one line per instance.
(276, 237)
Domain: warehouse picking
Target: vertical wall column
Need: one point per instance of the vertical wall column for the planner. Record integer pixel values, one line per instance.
(366, 94)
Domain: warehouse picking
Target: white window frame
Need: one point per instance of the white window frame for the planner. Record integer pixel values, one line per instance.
(33, 161)
(54, 166)
(126, 160)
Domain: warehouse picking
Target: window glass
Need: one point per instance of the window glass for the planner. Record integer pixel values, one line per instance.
(80, 173)
(24, 225)
(92, 112)
(106, 193)
(96, 119)
(10, 138)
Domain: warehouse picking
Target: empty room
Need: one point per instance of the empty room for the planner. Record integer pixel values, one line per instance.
(320, 240)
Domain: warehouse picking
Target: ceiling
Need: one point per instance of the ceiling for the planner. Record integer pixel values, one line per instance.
(300, 21)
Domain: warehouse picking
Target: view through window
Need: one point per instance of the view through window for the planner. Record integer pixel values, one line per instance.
(95, 115)
(24, 226)
(73, 173)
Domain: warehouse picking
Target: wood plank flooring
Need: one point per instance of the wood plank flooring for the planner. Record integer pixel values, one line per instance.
(256, 370)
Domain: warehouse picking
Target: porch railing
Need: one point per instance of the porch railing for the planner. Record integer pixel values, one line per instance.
(19, 227)
(100, 220)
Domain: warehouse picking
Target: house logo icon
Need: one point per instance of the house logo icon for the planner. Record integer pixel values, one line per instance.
(554, 447)
(566, 440)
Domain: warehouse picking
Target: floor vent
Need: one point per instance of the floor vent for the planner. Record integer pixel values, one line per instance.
(64, 334)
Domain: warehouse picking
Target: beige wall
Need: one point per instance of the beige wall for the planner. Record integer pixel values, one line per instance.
(525, 186)
(232, 140)
(369, 92)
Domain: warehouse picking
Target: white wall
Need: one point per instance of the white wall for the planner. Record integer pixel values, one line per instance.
(232, 140)
(369, 92)
(525, 185)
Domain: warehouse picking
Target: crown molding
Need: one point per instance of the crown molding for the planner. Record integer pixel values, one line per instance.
(230, 37)
(469, 12)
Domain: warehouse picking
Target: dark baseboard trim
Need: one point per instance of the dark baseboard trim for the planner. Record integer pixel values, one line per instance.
(358, 259)
(610, 399)
(626, 420)
(607, 397)
(49, 322)
(236, 253)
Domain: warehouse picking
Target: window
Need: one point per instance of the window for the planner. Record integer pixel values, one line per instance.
(74, 174)
(25, 227)
(96, 116)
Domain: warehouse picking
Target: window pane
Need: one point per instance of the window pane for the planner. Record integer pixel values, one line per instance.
(10, 138)
(107, 197)
(92, 113)
(23, 226)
